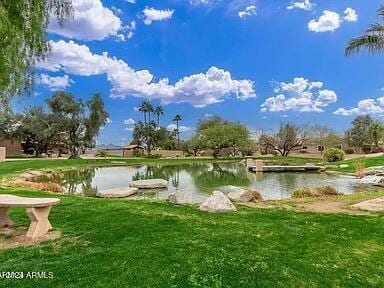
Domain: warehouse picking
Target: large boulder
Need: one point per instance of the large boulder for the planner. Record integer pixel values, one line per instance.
(218, 202)
(117, 192)
(181, 197)
(238, 194)
(149, 184)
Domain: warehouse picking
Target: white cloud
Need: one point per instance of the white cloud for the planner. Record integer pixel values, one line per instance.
(109, 120)
(249, 11)
(364, 107)
(127, 32)
(129, 129)
(329, 21)
(54, 83)
(299, 95)
(152, 14)
(198, 89)
(182, 129)
(350, 15)
(129, 121)
(91, 21)
(305, 5)
(131, 1)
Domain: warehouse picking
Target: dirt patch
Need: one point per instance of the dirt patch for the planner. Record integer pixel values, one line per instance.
(53, 187)
(323, 205)
(13, 238)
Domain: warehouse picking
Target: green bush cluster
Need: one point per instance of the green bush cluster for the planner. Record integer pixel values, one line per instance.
(334, 155)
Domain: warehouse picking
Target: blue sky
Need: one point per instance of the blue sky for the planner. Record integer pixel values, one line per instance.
(258, 62)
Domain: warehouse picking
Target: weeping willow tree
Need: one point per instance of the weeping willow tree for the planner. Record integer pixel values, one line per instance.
(372, 39)
(23, 41)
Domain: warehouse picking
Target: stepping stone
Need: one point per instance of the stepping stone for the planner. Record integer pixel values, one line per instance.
(373, 205)
(117, 192)
(149, 184)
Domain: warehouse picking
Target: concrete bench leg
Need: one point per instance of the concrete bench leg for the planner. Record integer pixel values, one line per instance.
(39, 221)
(5, 221)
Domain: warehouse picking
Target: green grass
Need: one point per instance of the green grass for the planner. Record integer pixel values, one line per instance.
(368, 162)
(120, 243)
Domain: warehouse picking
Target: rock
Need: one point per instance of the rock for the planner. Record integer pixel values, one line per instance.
(244, 195)
(343, 166)
(149, 184)
(373, 205)
(117, 192)
(218, 202)
(181, 197)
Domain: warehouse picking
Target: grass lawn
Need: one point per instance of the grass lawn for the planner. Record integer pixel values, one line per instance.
(368, 162)
(121, 243)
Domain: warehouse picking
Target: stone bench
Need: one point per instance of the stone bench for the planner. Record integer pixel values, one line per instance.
(37, 209)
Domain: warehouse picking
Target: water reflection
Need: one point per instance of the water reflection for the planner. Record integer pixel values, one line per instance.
(200, 179)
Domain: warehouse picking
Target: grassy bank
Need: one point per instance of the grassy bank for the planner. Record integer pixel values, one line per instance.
(368, 162)
(152, 244)
(120, 243)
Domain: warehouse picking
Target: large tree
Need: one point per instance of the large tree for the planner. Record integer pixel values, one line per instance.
(372, 39)
(285, 140)
(23, 41)
(359, 134)
(177, 119)
(80, 121)
(216, 134)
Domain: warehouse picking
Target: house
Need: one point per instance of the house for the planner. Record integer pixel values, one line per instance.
(132, 150)
(317, 146)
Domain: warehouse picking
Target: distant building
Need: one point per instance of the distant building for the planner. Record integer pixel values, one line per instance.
(132, 150)
(317, 146)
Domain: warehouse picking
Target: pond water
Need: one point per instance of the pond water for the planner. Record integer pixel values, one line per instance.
(199, 179)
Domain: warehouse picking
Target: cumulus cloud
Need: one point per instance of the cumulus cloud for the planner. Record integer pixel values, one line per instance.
(364, 107)
(129, 121)
(109, 120)
(131, 1)
(300, 95)
(54, 83)
(91, 21)
(182, 129)
(305, 5)
(249, 11)
(152, 14)
(350, 15)
(329, 21)
(200, 89)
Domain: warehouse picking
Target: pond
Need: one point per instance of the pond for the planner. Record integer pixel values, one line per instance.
(199, 179)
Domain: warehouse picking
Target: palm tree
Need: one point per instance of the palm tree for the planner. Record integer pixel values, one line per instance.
(146, 107)
(149, 110)
(376, 131)
(372, 39)
(143, 108)
(159, 111)
(177, 119)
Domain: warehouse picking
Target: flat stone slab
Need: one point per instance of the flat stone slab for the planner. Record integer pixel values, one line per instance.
(117, 192)
(24, 202)
(373, 205)
(149, 184)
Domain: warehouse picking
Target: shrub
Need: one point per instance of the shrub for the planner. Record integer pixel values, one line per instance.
(334, 155)
(349, 151)
(137, 153)
(102, 153)
(311, 192)
(153, 156)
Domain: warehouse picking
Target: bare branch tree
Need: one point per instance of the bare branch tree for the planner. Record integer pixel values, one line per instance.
(285, 140)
